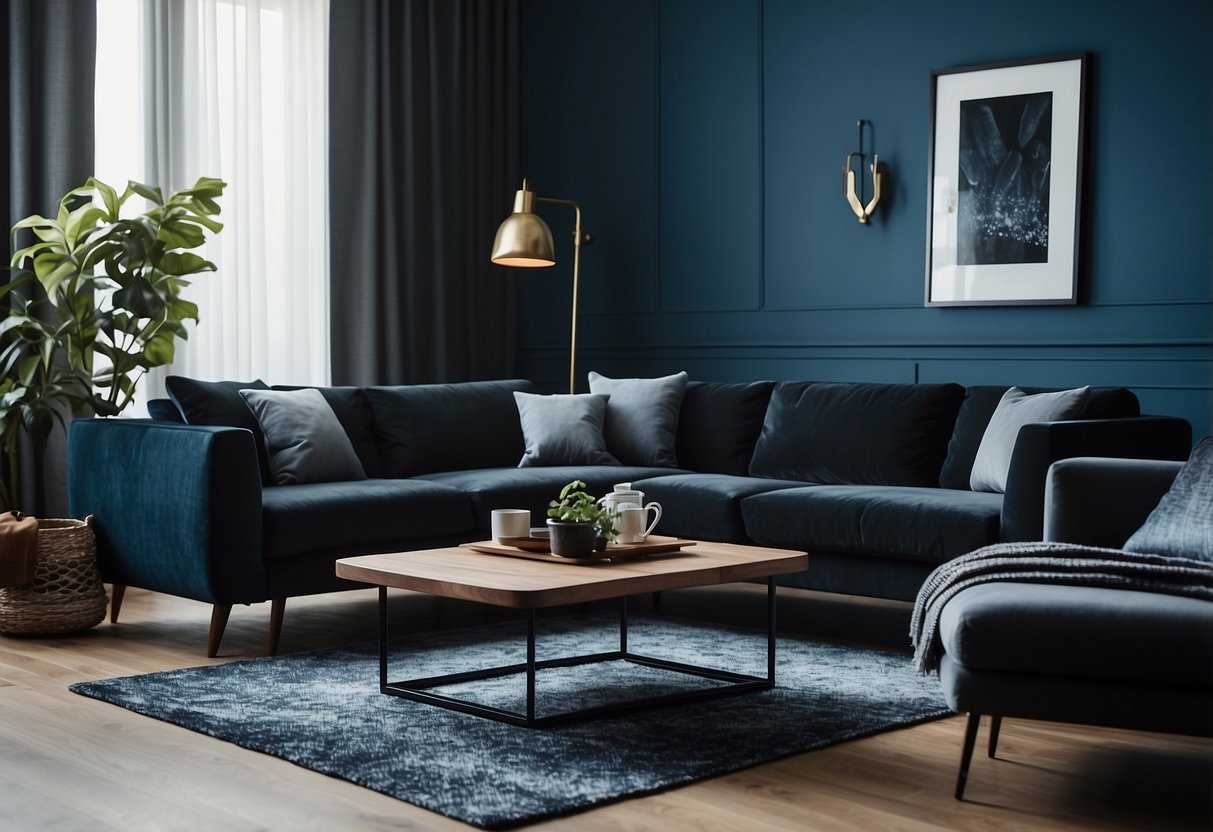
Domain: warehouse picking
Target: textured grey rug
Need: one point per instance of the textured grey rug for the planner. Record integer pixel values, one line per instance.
(323, 711)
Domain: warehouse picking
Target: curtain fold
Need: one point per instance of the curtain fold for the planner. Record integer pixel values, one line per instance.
(424, 160)
(48, 149)
(236, 89)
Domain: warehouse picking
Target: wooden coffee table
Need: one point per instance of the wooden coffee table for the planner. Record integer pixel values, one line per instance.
(531, 585)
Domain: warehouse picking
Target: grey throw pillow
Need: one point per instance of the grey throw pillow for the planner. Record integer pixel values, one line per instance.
(305, 441)
(642, 417)
(563, 430)
(1016, 409)
(1181, 525)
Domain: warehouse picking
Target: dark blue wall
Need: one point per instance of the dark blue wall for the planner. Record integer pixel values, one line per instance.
(704, 140)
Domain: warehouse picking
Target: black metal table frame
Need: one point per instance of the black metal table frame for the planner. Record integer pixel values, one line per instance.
(418, 689)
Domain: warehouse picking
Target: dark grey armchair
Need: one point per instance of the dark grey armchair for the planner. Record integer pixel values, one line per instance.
(1094, 655)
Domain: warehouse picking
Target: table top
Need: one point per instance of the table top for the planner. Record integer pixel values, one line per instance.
(455, 572)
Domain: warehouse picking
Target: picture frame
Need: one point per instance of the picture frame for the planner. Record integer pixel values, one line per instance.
(1005, 182)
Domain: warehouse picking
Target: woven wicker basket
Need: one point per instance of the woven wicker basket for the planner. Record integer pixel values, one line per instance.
(66, 594)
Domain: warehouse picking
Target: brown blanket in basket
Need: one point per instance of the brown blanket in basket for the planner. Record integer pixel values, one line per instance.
(18, 548)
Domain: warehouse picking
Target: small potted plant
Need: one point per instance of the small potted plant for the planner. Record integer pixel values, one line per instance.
(578, 524)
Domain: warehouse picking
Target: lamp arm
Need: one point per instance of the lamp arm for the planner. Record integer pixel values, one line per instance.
(578, 239)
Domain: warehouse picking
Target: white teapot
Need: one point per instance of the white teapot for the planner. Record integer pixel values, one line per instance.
(623, 495)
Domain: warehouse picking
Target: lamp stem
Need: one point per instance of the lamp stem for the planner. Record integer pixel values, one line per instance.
(578, 238)
(576, 289)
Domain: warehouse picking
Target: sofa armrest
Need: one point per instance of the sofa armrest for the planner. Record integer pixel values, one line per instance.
(177, 508)
(1040, 445)
(1095, 501)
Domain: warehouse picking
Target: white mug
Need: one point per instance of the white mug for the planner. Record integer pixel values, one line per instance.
(511, 522)
(631, 522)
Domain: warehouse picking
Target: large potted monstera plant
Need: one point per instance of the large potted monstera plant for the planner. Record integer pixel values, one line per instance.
(93, 302)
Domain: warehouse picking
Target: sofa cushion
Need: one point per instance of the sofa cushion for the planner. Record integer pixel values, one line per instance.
(534, 488)
(219, 403)
(705, 506)
(305, 441)
(1016, 409)
(719, 424)
(563, 430)
(979, 405)
(447, 427)
(354, 413)
(360, 516)
(873, 434)
(642, 417)
(925, 524)
(163, 410)
(1081, 632)
(1181, 525)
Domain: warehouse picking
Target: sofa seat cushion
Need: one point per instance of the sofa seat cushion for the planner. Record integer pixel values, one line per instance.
(925, 524)
(706, 506)
(534, 488)
(355, 515)
(1077, 631)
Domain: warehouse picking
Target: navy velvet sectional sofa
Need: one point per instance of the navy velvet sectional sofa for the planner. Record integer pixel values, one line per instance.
(873, 480)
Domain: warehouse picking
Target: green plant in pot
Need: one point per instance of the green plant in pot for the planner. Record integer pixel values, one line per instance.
(94, 302)
(578, 524)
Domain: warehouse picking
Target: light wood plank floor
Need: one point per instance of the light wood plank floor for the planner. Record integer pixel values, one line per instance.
(71, 763)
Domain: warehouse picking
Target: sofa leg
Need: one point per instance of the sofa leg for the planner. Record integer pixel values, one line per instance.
(966, 754)
(277, 610)
(117, 593)
(995, 724)
(219, 614)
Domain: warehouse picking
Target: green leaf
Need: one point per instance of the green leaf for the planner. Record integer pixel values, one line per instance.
(159, 351)
(184, 262)
(181, 234)
(109, 196)
(153, 195)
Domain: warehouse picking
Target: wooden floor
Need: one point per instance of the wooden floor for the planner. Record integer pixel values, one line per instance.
(71, 763)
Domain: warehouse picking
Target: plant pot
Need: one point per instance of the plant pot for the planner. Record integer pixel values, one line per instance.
(66, 595)
(571, 540)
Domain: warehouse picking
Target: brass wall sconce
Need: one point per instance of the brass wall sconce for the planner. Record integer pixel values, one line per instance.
(862, 210)
(525, 241)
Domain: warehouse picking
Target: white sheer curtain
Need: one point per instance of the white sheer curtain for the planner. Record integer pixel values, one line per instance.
(237, 89)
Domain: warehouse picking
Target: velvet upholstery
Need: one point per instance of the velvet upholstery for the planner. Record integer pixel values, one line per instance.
(705, 506)
(197, 528)
(924, 524)
(1103, 500)
(1081, 631)
(326, 516)
(423, 428)
(642, 417)
(219, 403)
(534, 488)
(563, 430)
(719, 425)
(857, 434)
(303, 438)
(979, 405)
(353, 411)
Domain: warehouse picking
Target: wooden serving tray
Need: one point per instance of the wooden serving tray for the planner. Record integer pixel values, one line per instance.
(536, 548)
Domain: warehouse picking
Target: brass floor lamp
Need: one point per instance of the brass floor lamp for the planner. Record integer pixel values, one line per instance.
(525, 241)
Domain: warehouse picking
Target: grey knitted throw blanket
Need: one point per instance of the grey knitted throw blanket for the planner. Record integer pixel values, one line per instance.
(1047, 563)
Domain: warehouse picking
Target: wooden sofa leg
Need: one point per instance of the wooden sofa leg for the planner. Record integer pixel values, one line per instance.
(995, 724)
(966, 754)
(117, 593)
(219, 614)
(277, 610)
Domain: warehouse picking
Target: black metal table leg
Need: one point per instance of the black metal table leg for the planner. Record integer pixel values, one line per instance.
(418, 690)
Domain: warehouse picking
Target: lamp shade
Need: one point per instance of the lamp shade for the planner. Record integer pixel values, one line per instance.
(524, 239)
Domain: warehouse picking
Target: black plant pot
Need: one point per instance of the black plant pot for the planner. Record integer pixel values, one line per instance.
(571, 540)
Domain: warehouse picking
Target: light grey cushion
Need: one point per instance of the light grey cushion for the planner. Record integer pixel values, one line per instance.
(1182, 524)
(1016, 409)
(563, 430)
(642, 417)
(305, 441)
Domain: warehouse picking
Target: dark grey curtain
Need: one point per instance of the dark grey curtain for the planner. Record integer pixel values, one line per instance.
(423, 164)
(47, 149)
